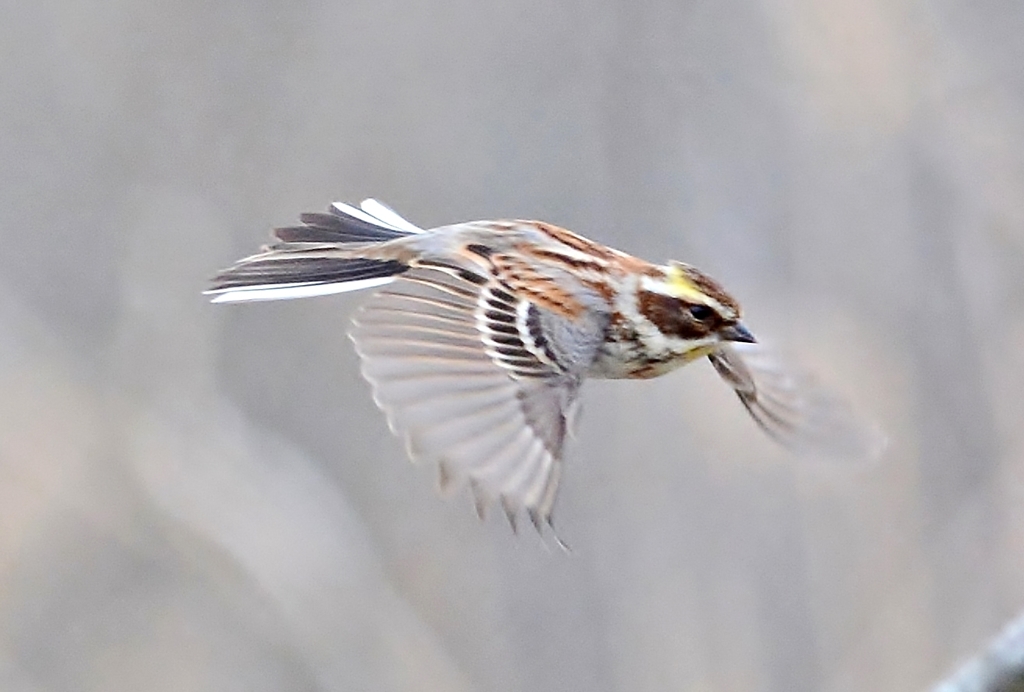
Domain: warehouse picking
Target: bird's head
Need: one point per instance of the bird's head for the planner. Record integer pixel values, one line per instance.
(691, 310)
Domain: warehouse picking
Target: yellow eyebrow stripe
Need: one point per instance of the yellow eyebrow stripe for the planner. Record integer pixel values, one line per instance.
(685, 289)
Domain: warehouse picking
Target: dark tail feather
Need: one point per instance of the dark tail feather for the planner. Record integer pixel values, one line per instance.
(278, 269)
(337, 226)
(306, 262)
(278, 275)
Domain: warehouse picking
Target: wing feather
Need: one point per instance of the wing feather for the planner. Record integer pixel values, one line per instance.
(450, 368)
(793, 407)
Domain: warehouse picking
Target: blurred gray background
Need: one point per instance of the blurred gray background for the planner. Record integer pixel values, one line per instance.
(202, 497)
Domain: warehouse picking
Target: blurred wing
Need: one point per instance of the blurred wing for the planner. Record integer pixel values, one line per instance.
(455, 366)
(793, 407)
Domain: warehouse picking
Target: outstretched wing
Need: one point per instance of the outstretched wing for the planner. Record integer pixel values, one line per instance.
(792, 407)
(468, 374)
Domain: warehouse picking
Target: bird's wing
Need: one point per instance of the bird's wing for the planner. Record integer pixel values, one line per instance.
(465, 373)
(793, 407)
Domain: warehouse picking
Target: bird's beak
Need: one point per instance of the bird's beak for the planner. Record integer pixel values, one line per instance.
(736, 332)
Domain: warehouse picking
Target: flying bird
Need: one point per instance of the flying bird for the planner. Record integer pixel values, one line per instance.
(479, 335)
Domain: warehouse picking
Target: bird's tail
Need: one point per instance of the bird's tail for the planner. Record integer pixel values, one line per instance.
(314, 258)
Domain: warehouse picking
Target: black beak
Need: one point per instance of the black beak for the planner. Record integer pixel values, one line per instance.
(736, 332)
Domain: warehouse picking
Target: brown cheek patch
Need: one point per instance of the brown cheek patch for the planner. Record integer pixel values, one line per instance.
(669, 316)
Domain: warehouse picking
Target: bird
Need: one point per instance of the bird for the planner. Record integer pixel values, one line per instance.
(479, 335)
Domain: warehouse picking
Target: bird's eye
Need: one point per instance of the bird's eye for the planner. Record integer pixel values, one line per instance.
(701, 313)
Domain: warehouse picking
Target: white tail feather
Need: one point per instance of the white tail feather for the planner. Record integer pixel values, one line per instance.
(388, 216)
(357, 213)
(289, 291)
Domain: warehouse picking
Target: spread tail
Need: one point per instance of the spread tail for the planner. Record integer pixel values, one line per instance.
(309, 258)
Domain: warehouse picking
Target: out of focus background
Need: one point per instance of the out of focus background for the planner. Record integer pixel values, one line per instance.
(203, 497)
